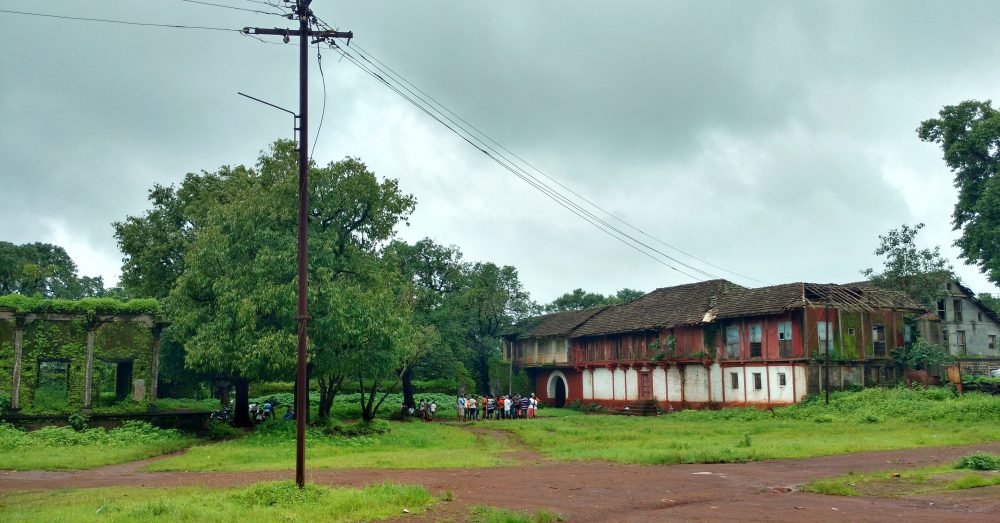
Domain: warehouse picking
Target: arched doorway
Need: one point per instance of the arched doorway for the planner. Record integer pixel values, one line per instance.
(557, 389)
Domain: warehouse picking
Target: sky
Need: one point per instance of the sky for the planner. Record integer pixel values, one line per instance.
(774, 140)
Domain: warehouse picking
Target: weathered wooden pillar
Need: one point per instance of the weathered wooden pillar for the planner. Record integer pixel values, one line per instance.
(15, 389)
(88, 387)
(154, 365)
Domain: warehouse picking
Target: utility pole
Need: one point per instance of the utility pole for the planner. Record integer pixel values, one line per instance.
(305, 16)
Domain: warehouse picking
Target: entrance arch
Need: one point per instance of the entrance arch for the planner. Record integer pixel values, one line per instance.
(557, 388)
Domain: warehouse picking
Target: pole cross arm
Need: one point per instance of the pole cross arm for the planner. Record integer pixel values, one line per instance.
(296, 32)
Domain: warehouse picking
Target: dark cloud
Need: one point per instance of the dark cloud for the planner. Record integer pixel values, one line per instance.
(771, 138)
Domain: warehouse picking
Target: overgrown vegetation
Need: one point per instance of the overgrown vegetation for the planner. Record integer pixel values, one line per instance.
(261, 502)
(86, 306)
(56, 448)
(486, 514)
(897, 483)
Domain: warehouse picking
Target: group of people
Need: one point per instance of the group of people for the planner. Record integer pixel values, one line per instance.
(425, 409)
(471, 408)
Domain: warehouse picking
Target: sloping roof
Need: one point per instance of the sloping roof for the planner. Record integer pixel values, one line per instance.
(979, 303)
(663, 308)
(554, 324)
(780, 298)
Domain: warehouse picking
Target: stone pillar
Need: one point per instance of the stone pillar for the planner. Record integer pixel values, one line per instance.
(15, 389)
(154, 365)
(88, 388)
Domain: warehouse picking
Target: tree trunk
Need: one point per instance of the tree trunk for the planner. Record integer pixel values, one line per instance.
(241, 414)
(329, 386)
(407, 379)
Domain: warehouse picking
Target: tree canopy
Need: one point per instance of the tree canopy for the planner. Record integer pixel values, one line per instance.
(579, 299)
(969, 136)
(44, 270)
(921, 273)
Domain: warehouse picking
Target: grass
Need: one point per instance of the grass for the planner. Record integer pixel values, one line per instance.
(406, 445)
(262, 502)
(484, 514)
(168, 404)
(903, 483)
(874, 419)
(62, 448)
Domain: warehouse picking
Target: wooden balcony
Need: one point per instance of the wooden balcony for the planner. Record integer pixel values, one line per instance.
(543, 359)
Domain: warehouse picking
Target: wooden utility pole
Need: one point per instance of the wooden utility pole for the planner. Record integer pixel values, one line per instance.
(305, 16)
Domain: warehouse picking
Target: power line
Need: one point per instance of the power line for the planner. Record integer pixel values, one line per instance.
(211, 4)
(538, 184)
(322, 114)
(122, 22)
(560, 199)
(364, 53)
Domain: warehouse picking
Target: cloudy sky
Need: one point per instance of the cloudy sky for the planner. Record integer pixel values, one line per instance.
(774, 140)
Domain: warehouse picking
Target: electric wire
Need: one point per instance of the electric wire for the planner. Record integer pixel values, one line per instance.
(399, 77)
(322, 114)
(534, 182)
(211, 4)
(121, 22)
(424, 97)
(516, 171)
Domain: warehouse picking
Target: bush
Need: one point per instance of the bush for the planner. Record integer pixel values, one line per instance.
(78, 421)
(979, 461)
(352, 430)
(218, 430)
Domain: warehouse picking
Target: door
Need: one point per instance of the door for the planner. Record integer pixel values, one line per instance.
(645, 386)
(560, 399)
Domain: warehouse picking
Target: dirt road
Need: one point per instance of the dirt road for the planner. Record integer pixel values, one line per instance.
(597, 491)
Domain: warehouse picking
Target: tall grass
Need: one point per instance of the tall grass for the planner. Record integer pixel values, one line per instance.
(56, 448)
(262, 502)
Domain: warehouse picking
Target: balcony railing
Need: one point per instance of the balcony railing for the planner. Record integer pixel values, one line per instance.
(541, 359)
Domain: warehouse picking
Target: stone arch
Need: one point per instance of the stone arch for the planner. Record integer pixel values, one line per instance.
(557, 388)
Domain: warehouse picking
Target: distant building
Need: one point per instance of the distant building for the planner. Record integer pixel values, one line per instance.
(715, 343)
(965, 325)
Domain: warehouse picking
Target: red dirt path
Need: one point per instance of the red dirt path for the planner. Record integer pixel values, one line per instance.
(597, 491)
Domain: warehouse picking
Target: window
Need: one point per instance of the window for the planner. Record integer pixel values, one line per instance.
(52, 392)
(878, 340)
(732, 342)
(960, 338)
(782, 381)
(991, 342)
(956, 307)
(850, 331)
(758, 383)
(907, 333)
(940, 310)
(945, 340)
(734, 380)
(979, 316)
(785, 339)
(755, 346)
(823, 329)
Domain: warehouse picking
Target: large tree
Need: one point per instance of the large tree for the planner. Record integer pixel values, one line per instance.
(44, 269)
(969, 135)
(921, 273)
(233, 302)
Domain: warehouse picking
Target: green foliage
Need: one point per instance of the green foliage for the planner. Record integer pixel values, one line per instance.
(66, 448)
(968, 134)
(88, 307)
(921, 355)
(979, 461)
(78, 421)
(920, 273)
(973, 481)
(364, 428)
(43, 270)
(260, 502)
(830, 487)
(746, 442)
(220, 430)
(579, 299)
(486, 514)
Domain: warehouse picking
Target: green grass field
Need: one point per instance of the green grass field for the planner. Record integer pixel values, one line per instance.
(407, 445)
(62, 448)
(873, 419)
(973, 471)
(262, 502)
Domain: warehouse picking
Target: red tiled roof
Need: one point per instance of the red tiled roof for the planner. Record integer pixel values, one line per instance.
(554, 324)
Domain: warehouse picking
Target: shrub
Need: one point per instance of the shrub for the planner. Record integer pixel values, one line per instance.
(979, 461)
(369, 428)
(78, 421)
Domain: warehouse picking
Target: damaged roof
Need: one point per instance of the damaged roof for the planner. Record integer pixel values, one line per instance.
(663, 308)
(780, 298)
